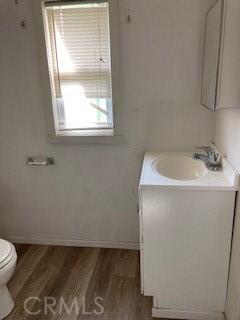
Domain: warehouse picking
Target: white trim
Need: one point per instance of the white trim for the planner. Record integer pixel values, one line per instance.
(190, 315)
(87, 133)
(76, 243)
(86, 139)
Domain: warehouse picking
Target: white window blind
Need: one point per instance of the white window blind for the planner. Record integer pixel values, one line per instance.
(80, 64)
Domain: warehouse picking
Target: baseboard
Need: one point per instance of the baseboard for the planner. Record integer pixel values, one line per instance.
(188, 315)
(76, 243)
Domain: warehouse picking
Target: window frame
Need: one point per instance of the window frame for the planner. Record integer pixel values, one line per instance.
(85, 136)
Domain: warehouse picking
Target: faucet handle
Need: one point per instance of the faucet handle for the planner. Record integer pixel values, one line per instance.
(212, 154)
(209, 150)
(205, 148)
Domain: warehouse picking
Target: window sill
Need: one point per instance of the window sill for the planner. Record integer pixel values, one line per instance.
(87, 133)
(87, 137)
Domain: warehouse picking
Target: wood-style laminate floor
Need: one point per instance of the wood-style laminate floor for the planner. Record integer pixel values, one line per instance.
(86, 279)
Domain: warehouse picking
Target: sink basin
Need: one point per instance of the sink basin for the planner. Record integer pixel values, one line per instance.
(180, 167)
(179, 171)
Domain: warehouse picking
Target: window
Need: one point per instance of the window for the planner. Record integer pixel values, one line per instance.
(78, 45)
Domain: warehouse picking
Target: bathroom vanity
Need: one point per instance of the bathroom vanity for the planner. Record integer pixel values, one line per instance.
(186, 218)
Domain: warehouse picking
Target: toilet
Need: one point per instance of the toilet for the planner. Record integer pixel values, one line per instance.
(8, 259)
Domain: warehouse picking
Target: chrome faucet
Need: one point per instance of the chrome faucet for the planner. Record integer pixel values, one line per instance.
(210, 157)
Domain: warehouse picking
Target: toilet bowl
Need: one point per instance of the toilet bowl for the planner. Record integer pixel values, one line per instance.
(8, 259)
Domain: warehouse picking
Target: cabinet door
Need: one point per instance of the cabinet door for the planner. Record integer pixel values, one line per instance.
(141, 251)
(186, 247)
(212, 55)
(229, 86)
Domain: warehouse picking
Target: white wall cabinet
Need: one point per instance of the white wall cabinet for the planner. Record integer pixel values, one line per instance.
(221, 62)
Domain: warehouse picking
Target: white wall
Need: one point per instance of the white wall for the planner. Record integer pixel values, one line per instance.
(91, 193)
(227, 138)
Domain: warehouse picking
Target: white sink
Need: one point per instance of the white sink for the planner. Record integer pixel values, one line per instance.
(178, 170)
(179, 167)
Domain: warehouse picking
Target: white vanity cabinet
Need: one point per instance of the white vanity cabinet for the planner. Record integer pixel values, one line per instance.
(185, 235)
(221, 63)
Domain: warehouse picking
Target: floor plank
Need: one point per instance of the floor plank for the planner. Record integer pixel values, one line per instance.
(94, 283)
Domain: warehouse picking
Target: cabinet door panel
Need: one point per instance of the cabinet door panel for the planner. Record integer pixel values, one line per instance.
(211, 56)
(141, 251)
(186, 246)
(229, 87)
